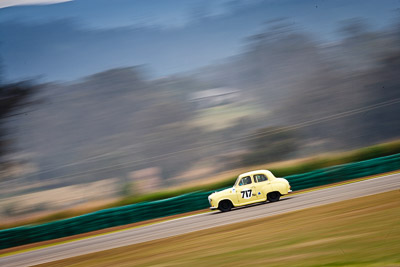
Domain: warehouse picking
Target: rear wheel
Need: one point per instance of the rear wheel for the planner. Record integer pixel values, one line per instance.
(273, 196)
(225, 205)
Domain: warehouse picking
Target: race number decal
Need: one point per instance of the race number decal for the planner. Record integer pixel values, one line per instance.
(246, 194)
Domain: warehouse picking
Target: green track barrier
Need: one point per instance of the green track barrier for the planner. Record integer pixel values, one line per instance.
(344, 172)
(180, 204)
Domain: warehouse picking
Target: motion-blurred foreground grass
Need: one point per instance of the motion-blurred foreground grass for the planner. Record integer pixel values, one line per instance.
(359, 232)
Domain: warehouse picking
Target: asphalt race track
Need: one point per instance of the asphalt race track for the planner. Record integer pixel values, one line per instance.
(202, 221)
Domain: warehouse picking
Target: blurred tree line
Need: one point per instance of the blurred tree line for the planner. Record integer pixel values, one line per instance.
(13, 98)
(118, 121)
(299, 79)
(270, 144)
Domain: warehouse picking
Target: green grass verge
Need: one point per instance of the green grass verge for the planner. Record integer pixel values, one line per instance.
(357, 232)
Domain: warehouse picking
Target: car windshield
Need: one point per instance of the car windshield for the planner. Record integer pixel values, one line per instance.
(244, 181)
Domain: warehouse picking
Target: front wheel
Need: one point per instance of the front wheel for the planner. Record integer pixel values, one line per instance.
(273, 196)
(225, 205)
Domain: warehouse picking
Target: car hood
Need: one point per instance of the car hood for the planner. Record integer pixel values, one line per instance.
(228, 190)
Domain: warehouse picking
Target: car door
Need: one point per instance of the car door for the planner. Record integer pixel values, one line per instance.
(245, 191)
(262, 185)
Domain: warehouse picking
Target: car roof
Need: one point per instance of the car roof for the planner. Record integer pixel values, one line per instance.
(254, 172)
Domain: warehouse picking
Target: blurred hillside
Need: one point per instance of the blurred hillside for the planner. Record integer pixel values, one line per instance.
(287, 94)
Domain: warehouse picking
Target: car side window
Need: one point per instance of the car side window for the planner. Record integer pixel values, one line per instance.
(260, 178)
(245, 180)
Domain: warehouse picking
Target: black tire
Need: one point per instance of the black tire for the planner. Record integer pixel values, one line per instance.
(273, 196)
(225, 205)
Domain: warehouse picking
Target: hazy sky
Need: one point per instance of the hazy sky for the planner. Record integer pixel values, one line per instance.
(71, 39)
